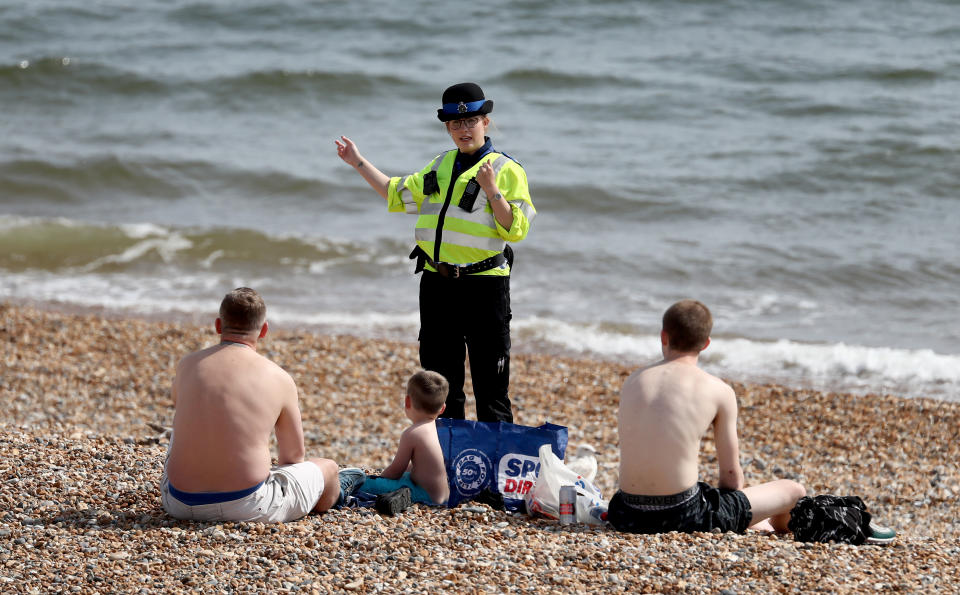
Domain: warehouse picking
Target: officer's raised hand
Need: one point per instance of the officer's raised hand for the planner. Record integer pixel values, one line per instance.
(347, 150)
(487, 178)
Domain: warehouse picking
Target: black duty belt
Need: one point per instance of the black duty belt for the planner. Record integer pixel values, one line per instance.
(455, 271)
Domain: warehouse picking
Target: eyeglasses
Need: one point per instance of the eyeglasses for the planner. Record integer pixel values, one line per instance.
(464, 123)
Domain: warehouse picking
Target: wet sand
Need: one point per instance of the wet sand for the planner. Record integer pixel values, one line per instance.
(84, 397)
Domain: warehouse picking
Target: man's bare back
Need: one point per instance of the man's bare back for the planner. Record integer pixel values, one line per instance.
(665, 409)
(227, 399)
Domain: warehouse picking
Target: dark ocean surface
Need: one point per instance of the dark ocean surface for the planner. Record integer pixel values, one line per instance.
(794, 165)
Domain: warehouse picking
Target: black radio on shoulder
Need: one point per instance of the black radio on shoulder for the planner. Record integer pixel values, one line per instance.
(430, 184)
(470, 195)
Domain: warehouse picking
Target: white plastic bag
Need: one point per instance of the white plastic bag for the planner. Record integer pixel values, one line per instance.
(544, 498)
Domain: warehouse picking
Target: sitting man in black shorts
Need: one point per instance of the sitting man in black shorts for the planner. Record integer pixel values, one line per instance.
(665, 409)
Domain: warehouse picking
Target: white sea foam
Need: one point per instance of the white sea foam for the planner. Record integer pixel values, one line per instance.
(138, 231)
(165, 246)
(212, 258)
(8, 222)
(588, 338)
(318, 267)
(875, 369)
(147, 295)
(836, 367)
(362, 323)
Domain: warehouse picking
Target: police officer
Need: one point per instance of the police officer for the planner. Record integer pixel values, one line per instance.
(470, 202)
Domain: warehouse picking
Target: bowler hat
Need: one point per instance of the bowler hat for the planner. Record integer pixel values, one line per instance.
(462, 101)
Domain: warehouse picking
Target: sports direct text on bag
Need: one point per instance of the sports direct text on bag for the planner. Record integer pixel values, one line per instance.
(517, 474)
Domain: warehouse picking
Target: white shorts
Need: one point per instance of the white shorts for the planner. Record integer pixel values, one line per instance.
(289, 493)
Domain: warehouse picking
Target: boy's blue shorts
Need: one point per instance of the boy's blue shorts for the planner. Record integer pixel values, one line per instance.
(382, 485)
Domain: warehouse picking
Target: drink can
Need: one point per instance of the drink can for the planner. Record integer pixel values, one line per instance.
(568, 505)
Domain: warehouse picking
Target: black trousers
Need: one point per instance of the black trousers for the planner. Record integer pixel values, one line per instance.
(471, 312)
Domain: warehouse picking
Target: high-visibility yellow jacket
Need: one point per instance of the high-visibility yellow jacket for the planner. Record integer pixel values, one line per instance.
(465, 237)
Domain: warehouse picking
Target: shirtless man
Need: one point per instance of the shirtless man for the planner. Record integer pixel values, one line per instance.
(665, 409)
(228, 399)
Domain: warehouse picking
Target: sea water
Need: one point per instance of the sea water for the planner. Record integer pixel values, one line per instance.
(791, 164)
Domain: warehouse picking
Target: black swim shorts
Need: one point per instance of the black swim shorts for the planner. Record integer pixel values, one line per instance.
(701, 508)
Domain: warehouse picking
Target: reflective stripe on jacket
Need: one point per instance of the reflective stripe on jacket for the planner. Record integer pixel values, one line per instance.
(466, 237)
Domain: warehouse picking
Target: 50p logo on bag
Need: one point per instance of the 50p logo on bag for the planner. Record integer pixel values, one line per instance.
(472, 470)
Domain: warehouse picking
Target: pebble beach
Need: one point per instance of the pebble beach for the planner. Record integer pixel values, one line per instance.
(84, 400)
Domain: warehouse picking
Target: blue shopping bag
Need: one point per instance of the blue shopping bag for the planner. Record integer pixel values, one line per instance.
(496, 456)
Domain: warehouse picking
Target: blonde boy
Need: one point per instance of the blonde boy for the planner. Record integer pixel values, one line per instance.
(417, 473)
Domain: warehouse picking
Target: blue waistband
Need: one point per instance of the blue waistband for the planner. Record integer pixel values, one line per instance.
(198, 498)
